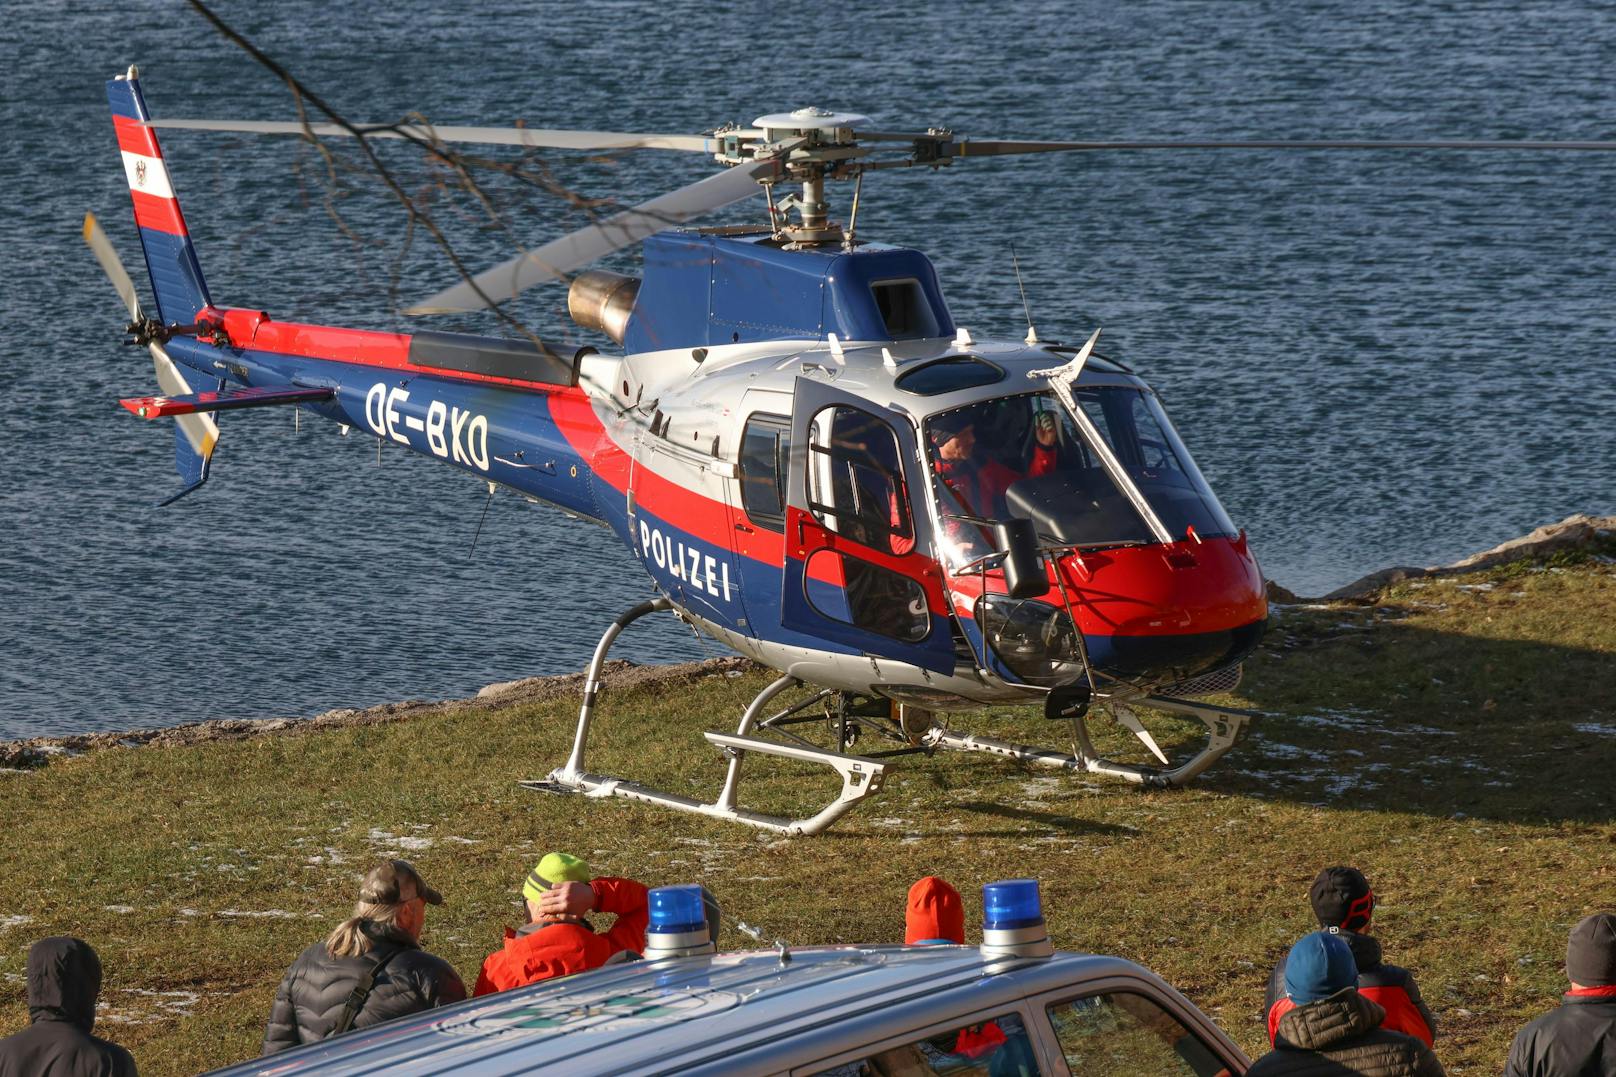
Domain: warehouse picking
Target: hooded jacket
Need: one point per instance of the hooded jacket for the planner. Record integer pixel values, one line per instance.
(312, 996)
(1341, 1035)
(1388, 986)
(1576, 1039)
(64, 978)
(542, 951)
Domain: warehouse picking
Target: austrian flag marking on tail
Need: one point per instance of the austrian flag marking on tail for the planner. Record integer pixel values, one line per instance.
(176, 274)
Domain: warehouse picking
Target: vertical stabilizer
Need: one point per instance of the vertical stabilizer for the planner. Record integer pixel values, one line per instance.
(176, 276)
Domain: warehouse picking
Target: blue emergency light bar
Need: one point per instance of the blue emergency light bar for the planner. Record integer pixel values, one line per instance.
(676, 910)
(1013, 920)
(1011, 904)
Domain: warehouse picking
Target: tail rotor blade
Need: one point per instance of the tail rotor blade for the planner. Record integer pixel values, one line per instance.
(199, 427)
(557, 259)
(111, 264)
(1128, 718)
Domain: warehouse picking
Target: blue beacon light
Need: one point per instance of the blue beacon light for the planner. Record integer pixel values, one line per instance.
(678, 925)
(1013, 920)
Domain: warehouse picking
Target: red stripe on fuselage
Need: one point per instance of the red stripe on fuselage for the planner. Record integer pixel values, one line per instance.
(136, 137)
(158, 214)
(255, 331)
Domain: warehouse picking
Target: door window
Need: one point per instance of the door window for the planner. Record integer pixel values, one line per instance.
(867, 596)
(765, 450)
(996, 1048)
(855, 480)
(1128, 1035)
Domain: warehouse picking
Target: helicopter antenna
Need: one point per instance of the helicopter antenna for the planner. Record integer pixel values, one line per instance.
(1032, 334)
(852, 217)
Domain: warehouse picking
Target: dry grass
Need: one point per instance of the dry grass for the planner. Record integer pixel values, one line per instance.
(1457, 741)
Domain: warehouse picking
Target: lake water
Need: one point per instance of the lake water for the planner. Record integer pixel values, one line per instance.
(1377, 358)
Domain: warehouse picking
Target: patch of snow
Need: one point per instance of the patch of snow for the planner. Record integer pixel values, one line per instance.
(394, 841)
(258, 914)
(120, 909)
(1596, 729)
(16, 920)
(463, 841)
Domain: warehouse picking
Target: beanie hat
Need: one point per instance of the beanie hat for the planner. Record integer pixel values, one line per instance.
(1318, 966)
(1591, 951)
(942, 429)
(1341, 898)
(554, 868)
(934, 914)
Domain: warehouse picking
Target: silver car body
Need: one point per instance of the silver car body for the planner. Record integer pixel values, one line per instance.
(764, 1012)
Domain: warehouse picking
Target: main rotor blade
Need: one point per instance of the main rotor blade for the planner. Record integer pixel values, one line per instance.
(1001, 147)
(111, 264)
(502, 136)
(558, 258)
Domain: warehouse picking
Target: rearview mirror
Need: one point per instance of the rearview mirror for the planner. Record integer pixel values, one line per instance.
(1024, 575)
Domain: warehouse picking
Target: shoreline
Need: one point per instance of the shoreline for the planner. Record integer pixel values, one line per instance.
(1579, 531)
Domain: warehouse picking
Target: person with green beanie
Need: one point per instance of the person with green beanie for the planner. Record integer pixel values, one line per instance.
(557, 941)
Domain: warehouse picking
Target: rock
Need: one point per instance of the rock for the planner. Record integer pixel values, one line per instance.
(1375, 582)
(1280, 595)
(617, 674)
(1573, 533)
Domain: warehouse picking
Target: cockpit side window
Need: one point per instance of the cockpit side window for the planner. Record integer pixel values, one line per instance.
(765, 450)
(905, 309)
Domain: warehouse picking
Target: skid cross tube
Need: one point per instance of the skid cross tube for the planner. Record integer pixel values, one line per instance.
(860, 776)
(1225, 726)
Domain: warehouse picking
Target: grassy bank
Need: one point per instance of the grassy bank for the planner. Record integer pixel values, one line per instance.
(1457, 740)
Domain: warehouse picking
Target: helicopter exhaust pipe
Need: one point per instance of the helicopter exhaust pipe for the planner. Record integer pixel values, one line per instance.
(602, 300)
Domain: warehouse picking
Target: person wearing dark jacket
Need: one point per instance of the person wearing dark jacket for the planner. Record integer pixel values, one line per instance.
(64, 978)
(1344, 905)
(1578, 1038)
(369, 970)
(1332, 1028)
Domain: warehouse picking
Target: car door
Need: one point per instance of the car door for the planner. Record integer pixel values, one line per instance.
(1129, 1027)
(859, 567)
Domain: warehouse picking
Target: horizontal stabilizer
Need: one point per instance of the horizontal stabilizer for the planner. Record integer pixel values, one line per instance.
(156, 407)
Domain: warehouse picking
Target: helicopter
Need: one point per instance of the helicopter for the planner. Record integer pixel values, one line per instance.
(815, 464)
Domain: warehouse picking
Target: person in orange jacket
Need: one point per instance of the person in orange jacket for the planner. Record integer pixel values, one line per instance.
(557, 940)
(935, 916)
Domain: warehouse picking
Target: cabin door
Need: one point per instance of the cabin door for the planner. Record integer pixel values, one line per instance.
(859, 568)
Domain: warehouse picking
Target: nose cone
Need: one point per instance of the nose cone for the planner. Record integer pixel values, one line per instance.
(1169, 613)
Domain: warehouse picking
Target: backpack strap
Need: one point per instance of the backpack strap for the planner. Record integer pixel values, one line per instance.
(361, 991)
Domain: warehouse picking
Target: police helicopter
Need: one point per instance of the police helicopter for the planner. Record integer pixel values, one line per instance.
(814, 462)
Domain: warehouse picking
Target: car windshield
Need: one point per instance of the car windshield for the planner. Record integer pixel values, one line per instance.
(1023, 456)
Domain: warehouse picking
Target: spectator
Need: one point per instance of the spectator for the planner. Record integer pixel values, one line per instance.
(1332, 1027)
(557, 940)
(1344, 905)
(934, 914)
(64, 978)
(1577, 1038)
(369, 970)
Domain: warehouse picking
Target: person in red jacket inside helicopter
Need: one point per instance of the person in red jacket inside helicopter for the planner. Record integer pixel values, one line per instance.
(1344, 905)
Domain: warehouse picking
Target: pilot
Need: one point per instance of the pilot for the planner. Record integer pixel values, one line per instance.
(980, 484)
(557, 940)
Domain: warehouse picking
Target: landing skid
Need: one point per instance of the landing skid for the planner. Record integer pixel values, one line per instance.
(1225, 726)
(863, 775)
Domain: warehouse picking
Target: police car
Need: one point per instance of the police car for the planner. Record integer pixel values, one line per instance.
(1011, 1007)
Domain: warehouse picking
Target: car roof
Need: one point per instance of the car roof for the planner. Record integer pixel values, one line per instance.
(780, 1008)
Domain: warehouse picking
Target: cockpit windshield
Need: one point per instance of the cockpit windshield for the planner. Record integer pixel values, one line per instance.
(1023, 456)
